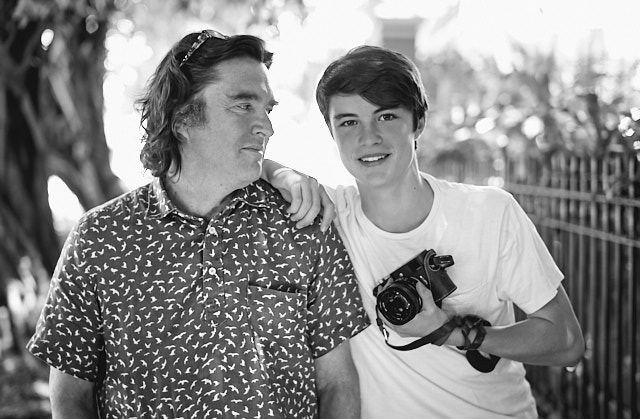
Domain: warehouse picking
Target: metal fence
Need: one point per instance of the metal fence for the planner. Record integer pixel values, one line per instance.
(587, 210)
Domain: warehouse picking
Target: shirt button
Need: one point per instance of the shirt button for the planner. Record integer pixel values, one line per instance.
(211, 230)
(212, 270)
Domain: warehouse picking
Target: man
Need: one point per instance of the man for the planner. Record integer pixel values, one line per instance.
(374, 104)
(196, 296)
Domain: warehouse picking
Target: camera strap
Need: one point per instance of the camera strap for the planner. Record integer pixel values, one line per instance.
(437, 337)
(477, 360)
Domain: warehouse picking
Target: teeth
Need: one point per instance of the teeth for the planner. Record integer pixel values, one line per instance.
(372, 159)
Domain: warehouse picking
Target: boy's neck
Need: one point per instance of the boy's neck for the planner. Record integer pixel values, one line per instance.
(398, 208)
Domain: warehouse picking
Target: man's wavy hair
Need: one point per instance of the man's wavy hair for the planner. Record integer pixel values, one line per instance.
(383, 77)
(172, 95)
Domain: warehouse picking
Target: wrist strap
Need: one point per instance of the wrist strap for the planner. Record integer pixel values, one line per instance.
(477, 360)
(468, 324)
(481, 362)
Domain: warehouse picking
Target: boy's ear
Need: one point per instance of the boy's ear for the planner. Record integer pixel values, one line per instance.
(330, 130)
(422, 122)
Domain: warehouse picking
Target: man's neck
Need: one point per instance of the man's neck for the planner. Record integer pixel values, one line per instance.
(198, 197)
(399, 208)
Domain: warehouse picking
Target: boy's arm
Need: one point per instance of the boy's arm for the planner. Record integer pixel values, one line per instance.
(306, 195)
(550, 336)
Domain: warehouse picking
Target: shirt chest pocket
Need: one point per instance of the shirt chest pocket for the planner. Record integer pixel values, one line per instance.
(278, 323)
(470, 297)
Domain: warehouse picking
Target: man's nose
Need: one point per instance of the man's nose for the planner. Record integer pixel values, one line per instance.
(263, 126)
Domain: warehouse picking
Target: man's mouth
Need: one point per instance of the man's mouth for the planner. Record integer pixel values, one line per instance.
(255, 149)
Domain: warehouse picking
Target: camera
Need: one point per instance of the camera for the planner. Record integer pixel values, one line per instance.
(397, 298)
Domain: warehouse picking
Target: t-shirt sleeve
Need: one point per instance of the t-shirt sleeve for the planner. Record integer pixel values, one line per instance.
(528, 276)
(335, 307)
(68, 335)
(331, 192)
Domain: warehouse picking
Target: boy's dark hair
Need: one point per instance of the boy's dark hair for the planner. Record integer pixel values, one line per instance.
(383, 77)
(172, 94)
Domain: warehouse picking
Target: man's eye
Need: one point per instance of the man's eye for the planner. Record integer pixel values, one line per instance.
(348, 123)
(244, 106)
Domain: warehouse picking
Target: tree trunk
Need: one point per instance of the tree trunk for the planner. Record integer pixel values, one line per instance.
(51, 108)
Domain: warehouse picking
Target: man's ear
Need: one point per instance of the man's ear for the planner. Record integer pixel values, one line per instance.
(180, 129)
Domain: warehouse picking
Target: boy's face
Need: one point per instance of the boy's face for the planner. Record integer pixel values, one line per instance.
(376, 144)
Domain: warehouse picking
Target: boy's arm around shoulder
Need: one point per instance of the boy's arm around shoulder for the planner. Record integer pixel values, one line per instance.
(306, 196)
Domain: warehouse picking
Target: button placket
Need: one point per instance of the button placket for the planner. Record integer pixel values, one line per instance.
(212, 269)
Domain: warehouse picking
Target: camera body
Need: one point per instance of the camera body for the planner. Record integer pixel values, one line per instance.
(397, 298)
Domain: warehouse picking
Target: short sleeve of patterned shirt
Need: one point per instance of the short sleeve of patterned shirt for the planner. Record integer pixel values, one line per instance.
(177, 316)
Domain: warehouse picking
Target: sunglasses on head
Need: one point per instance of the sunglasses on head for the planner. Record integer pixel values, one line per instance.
(204, 35)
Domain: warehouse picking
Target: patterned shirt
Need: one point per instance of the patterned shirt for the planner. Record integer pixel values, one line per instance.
(173, 316)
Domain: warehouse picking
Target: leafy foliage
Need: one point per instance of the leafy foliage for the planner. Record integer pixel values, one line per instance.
(538, 108)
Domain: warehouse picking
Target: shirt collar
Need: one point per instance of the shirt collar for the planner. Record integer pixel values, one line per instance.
(160, 205)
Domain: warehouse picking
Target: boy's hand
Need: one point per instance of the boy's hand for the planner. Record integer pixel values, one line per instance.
(430, 318)
(306, 195)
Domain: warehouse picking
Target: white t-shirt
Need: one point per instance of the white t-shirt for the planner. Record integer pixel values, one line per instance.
(499, 258)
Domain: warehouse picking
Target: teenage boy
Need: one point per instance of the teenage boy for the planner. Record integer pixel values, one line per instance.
(375, 105)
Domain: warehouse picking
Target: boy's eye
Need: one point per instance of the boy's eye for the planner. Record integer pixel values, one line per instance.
(387, 117)
(348, 123)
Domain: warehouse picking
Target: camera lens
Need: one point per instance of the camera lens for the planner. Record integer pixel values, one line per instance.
(399, 303)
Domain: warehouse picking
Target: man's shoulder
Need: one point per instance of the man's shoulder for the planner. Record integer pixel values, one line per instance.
(122, 206)
(261, 194)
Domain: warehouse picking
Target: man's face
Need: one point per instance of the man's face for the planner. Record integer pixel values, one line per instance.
(228, 148)
(376, 144)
